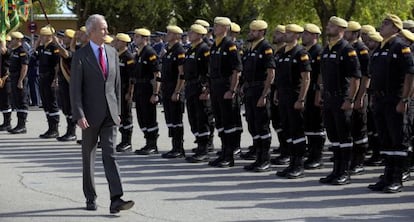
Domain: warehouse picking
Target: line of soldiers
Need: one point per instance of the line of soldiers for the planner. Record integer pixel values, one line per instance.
(357, 89)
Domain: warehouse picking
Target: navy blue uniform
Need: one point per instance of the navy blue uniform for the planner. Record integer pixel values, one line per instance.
(224, 59)
(339, 64)
(5, 92)
(256, 62)
(388, 68)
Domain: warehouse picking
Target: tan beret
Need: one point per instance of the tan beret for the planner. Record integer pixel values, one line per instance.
(294, 28)
(174, 29)
(70, 33)
(8, 38)
(202, 23)
(258, 25)
(235, 27)
(123, 37)
(338, 21)
(367, 29)
(142, 32)
(408, 35)
(108, 39)
(197, 28)
(83, 28)
(222, 21)
(395, 20)
(408, 24)
(47, 30)
(353, 26)
(375, 36)
(16, 35)
(281, 28)
(312, 28)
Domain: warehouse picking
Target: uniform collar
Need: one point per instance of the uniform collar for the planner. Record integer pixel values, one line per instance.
(255, 43)
(219, 40)
(333, 42)
(290, 46)
(385, 41)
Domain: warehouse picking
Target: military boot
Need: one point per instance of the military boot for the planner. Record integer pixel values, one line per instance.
(6, 122)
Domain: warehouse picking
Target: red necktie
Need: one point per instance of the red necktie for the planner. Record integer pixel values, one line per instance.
(102, 62)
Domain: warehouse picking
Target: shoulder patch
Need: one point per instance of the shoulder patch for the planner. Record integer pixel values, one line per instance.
(56, 51)
(352, 53)
(152, 58)
(363, 52)
(406, 50)
(318, 57)
(181, 56)
(232, 48)
(304, 57)
(206, 53)
(22, 54)
(129, 62)
(268, 51)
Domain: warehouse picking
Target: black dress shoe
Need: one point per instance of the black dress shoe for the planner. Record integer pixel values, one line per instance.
(172, 155)
(18, 130)
(284, 172)
(328, 179)
(123, 147)
(312, 164)
(296, 172)
(393, 188)
(251, 166)
(236, 152)
(66, 138)
(342, 179)
(374, 161)
(264, 167)
(225, 164)
(91, 205)
(146, 151)
(249, 155)
(119, 205)
(49, 134)
(197, 158)
(357, 170)
(280, 160)
(215, 161)
(379, 186)
(406, 176)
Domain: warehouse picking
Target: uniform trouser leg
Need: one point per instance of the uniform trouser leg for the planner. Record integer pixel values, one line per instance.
(20, 100)
(276, 124)
(48, 95)
(5, 106)
(107, 137)
(147, 118)
(237, 120)
(374, 143)
(359, 135)
(314, 131)
(126, 118)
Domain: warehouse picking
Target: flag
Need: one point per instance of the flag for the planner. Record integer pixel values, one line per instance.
(13, 16)
(23, 9)
(4, 19)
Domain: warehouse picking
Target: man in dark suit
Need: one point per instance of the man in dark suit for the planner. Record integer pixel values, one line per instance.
(95, 94)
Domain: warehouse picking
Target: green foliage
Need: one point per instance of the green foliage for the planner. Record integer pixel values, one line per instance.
(51, 6)
(124, 15)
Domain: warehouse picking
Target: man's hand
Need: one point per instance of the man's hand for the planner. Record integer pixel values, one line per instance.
(228, 95)
(20, 84)
(83, 123)
(154, 99)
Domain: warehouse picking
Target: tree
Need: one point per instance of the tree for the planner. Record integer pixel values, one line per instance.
(51, 6)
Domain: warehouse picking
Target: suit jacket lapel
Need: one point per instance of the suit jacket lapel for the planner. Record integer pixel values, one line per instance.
(92, 60)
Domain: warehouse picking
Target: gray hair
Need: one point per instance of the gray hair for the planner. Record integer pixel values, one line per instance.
(92, 21)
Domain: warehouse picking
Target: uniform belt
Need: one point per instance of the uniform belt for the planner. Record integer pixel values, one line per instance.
(253, 84)
(334, 93)
(143, 80)
(192, 81)
(384, 93)
(219, 79)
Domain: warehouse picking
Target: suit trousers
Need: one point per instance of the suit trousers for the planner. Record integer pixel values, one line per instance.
(107, 136)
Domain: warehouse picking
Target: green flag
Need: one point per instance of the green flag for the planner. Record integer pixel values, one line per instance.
(13, 16)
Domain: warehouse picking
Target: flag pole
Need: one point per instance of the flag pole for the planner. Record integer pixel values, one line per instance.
(44, 11)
